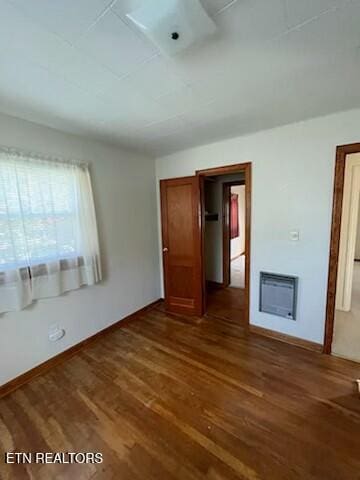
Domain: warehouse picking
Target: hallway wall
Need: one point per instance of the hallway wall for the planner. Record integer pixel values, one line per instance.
(237, 245)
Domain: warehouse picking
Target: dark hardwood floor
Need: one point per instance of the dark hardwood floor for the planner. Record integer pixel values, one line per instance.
(171, 397)
(227, 303)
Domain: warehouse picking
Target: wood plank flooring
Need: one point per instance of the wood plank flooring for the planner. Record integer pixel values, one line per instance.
(228, 303)
(170, 397)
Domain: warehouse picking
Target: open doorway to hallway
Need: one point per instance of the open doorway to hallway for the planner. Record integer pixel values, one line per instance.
(346, 339)
(224, 245)
(197, 246)
(342, 325)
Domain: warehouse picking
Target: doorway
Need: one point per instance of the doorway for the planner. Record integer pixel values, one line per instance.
(184, 216)
(224, 245)
(226, 241)
(342, 328)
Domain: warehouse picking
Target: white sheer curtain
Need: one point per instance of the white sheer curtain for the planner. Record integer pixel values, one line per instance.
(48, 233)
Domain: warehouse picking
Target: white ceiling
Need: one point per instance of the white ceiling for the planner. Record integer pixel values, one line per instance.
(79, 66)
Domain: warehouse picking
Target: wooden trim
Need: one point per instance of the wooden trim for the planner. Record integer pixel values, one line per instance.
(235, 183)
(202, 235)
(65, 355)
(225, 170)
(248, 190)
(226, 242)
(341, 152)
(282, 337)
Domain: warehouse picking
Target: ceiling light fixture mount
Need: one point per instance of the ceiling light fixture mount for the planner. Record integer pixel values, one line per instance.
(173, 25)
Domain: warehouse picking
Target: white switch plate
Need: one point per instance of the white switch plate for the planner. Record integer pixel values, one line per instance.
(294, 235)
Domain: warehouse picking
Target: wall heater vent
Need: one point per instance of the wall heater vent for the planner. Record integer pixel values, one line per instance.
(278, 294)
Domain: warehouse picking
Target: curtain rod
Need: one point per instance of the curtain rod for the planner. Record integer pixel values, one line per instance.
(40, 156)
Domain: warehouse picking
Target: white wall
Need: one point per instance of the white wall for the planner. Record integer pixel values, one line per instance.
(293, 169)
(213, 233)
(237, 244)
(357, 245)
(125, 201)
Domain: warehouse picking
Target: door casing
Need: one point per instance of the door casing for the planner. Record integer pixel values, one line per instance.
(341, 153)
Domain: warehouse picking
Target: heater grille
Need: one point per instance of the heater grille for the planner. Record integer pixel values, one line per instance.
(278, 294)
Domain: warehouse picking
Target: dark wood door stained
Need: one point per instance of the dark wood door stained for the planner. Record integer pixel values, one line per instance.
(182, 244)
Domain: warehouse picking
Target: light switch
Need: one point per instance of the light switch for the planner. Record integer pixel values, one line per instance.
(294, 235)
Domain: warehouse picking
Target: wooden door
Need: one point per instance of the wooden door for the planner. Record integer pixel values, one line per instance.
(181, 219)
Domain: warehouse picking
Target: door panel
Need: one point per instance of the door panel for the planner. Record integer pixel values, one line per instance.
(181, 237)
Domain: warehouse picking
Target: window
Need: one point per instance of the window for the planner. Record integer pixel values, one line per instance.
(48, 234)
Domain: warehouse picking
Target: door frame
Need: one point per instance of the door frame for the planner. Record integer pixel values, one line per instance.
(226, 242)
(341, 153)
(226, 170)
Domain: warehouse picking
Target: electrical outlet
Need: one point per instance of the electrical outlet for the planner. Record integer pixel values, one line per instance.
(55, 332)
